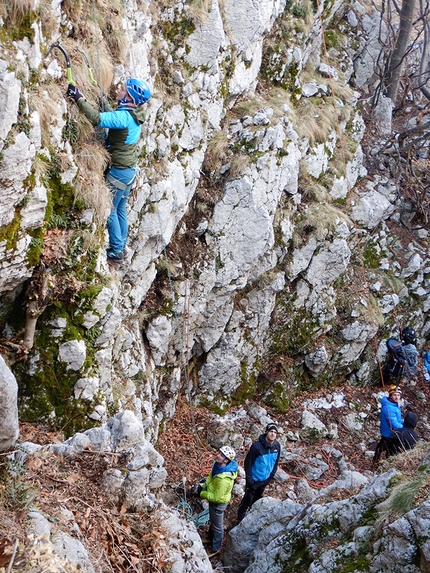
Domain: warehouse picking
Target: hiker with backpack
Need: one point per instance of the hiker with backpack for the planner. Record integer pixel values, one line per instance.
(403, 357)
(391, 425)
(124, 126)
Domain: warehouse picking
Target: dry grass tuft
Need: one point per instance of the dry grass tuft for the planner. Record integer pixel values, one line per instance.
(16, 9)
(404, 496)
(314, 191)
(317, 121)
(216, 152)
(320, 219)
(239, 164)
(47, 107)
(199, 11)
(90, 187)
(247, 107)
(84, 127)
(47, 18)
(40, 166)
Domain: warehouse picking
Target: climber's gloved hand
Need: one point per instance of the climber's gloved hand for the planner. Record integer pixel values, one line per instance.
(73, 92)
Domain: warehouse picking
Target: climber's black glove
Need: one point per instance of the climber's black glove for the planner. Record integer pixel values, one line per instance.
(73, 92)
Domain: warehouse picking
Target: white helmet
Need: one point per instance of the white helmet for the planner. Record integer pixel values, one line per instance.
(228, 452)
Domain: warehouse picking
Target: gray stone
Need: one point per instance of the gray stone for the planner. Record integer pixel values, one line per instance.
(9, 427)
(317, 361)
(73, 353)
(73, 551)
(328, 71)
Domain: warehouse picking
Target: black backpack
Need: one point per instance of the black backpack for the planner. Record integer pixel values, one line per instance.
(396, 359)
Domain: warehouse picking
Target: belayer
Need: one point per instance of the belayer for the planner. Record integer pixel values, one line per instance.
(124, 129)
(217, 491)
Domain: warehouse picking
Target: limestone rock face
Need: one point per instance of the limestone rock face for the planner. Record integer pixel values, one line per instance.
(273, 531)
(243, 224)
(9, 427)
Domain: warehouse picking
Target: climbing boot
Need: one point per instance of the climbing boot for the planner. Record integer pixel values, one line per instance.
(115, 257)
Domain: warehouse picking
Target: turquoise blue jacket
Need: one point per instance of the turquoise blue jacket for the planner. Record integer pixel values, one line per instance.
(261, 461)
(124, 128)
(390, 417)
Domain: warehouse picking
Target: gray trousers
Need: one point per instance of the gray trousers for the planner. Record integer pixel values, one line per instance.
(216, 529)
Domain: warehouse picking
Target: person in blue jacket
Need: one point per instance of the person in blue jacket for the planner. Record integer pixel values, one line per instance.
(261, 463)
(391, 424)
(124, 129)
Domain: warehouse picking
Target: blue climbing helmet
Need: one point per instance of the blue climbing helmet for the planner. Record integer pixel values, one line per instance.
(138, 90)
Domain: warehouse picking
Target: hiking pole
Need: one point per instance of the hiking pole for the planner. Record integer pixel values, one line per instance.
(67, 58)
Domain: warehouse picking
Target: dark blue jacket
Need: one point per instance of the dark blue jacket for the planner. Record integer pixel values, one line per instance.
(261, 461)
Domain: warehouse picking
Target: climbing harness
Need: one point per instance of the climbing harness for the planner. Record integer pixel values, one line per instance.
(67, 58)
(119, 184)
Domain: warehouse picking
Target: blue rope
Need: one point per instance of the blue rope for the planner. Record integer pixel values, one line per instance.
(186, 510)
(201, 519)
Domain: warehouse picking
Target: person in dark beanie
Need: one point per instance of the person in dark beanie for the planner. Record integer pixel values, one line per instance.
(408, 436)
(261, 463)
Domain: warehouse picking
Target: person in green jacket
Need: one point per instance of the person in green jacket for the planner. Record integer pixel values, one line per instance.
(124, 127)
(217, 490)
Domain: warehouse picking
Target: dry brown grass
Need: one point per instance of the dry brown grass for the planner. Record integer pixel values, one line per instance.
(248, 107)
(47, 105)
(239, 164)
(47, 18)
(217, 151)
(15, 9)
(198, 11)
(314, 191)
(320, 219)
(90, 187)
(317, 120)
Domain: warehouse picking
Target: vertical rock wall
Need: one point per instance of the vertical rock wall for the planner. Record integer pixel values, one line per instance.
(242, 273)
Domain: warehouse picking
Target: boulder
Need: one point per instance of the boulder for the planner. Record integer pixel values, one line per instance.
(9, 427)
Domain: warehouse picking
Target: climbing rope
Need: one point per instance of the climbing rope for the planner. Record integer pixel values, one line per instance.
(357, 236)
(130, 39)
(185, 509)
(183, 506)
(102, 95)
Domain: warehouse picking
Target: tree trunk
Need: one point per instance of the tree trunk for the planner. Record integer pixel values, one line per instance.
(395, 68)
(38, 297)
(424, 67)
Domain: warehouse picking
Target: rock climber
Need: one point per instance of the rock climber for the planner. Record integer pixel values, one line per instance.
(217, 491)
(261, 463)
(124, 129)
(391, 425)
